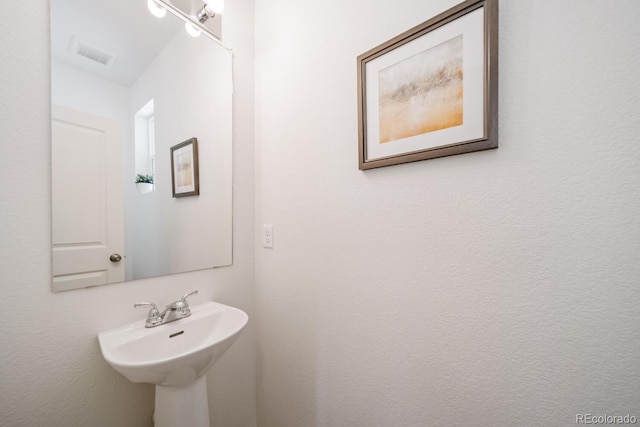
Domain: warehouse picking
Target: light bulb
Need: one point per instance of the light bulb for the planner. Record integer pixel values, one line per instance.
(191, 29)
(215, 6)
(155, 9)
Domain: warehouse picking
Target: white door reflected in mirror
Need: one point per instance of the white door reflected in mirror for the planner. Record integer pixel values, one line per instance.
(88, 221)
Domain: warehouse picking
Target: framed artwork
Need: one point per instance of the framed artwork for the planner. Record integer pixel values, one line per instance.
(184, 169)
(432, 91)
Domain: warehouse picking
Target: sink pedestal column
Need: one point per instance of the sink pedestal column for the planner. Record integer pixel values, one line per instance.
(185, 406)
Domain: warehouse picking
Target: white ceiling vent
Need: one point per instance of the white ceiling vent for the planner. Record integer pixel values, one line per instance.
(81, 48)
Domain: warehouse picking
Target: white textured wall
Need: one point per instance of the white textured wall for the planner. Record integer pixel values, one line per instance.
(51, 370)
(498, 288)
(182, 110)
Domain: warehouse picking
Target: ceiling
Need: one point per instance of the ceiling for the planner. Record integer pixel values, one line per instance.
(122, 28)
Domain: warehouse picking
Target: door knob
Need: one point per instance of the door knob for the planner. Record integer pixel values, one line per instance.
(115, 258)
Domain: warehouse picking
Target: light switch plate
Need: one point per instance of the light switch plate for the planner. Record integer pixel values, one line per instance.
(267, 236)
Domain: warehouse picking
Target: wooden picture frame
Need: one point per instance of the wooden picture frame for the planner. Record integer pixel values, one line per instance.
(432, 91)
(184, 169)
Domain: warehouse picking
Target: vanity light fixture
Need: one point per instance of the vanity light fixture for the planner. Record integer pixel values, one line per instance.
(194, 25)
(155, 9)
(210, 9)
(191, 29)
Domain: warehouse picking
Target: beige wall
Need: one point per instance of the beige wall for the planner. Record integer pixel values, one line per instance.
(51, 370)
(497, 288)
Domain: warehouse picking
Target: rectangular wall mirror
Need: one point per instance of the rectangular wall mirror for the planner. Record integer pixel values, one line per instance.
(126, 88)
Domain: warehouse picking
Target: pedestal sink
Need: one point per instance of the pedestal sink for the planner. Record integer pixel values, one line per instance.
(175, 358)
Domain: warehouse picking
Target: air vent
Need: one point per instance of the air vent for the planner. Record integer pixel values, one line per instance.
(94, 54)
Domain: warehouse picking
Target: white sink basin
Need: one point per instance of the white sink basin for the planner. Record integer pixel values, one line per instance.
(177, 353)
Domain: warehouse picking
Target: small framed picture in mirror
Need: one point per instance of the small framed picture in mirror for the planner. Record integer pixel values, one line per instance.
(184, 169)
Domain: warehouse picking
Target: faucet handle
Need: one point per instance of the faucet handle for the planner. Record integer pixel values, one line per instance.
(146, 304)
(154, 317)
(185, 296)
(182, 305)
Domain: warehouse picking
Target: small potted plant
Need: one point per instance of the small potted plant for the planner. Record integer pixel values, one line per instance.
(144, 183)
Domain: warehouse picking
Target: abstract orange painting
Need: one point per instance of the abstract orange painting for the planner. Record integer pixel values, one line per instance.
(431, 91)
(422, 93)
(185, 179)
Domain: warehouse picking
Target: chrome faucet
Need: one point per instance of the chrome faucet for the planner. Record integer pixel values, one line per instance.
(175, 311)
